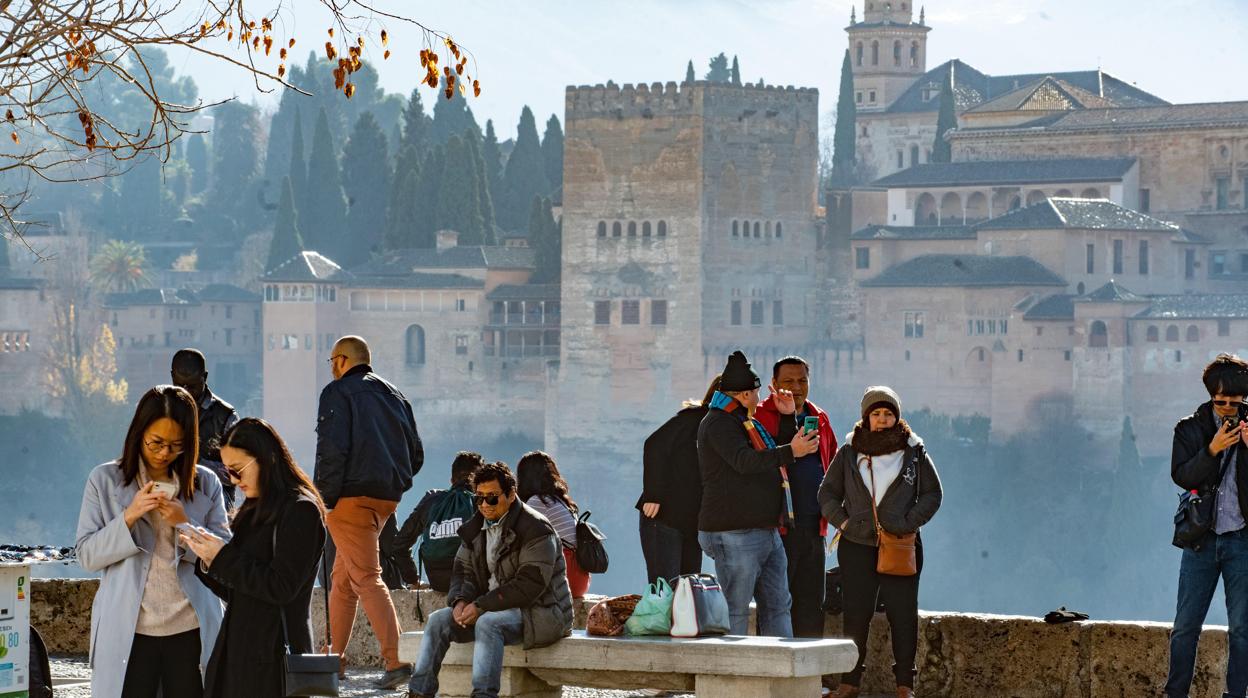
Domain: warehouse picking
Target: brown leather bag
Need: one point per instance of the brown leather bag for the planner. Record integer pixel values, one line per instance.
(896, 552)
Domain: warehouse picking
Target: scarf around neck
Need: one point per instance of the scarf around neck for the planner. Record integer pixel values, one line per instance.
(761, 440)
(878, 443)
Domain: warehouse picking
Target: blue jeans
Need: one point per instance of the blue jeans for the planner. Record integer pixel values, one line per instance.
(750, 563)
(493, 631)
(1224, 556)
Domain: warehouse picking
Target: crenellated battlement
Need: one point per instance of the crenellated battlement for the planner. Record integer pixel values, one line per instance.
(671, 98)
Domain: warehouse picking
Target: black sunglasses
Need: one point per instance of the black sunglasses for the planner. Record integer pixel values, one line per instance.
(1228, 403)
(491, 499)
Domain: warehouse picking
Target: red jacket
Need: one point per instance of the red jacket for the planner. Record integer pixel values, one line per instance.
(769, 417)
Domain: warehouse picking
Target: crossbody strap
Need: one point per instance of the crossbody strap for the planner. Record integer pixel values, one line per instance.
(874, 513)
(282, 609)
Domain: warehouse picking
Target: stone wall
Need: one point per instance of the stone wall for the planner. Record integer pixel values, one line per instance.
(960, 655)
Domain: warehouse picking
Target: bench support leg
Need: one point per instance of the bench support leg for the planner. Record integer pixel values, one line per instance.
(456, 682)
(714, 686)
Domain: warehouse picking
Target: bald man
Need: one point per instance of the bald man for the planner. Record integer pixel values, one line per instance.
(367, 452)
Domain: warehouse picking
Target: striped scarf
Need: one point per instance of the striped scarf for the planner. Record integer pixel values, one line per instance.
(761, 440)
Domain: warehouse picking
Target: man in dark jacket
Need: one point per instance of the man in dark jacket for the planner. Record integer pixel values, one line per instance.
(189, 371)
(509, 586)
(418, 526)
(744, 504)
(1208, 457)
(367, 452)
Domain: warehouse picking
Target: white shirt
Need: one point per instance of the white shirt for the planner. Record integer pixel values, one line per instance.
(887, 467)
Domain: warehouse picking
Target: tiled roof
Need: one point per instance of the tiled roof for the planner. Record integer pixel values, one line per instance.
(226, 293)
(1059, 306)
(306, 266)
(1021, 99)
(20, 283)
(414, 280)
(915, 232)
(1087, 214)
(1112, 292)
(151, 296)
(516, 292)
(966, 270)
(1003, 172)
(1197, 306)
(1188, 237)
(1142, 118)
(465, 257)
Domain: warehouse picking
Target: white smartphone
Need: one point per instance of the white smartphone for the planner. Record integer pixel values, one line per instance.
(170, 490)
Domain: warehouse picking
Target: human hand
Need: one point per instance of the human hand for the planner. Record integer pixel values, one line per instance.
(458, 612)
(203, 543)
(470, 614)
(785, 402)
(1225, 437)
(172, 512)
(650, 509)
(145, 500)
(805, 443)
(1243, 432)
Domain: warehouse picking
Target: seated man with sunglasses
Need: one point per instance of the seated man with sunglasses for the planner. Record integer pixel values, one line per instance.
(509, 586)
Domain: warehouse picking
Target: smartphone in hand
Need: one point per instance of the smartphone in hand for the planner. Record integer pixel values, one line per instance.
(810, 424)
(169, 489)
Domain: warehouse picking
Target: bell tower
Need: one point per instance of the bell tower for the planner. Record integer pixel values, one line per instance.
(888, 51)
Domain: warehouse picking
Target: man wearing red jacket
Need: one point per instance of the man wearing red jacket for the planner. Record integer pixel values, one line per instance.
(782, 414)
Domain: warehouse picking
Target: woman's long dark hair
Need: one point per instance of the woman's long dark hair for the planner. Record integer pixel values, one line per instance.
(176, 404)
(281, 479)
(536, 473)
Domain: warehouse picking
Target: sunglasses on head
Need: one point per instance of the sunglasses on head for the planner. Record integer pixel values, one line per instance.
(1228, 403)
(491, 499)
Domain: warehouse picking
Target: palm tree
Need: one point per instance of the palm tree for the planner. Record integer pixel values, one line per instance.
(120, 267)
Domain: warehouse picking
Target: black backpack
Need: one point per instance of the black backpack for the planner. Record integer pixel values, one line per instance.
(591, 555)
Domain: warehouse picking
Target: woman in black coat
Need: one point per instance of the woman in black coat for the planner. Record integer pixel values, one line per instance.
(672, 493)
(260, 573)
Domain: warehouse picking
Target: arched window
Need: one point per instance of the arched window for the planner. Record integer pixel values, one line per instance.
(1098, 338)
(875, 53)
(602, 229)
(1080, 288)
(1193, 333)
(897, 53)
(662, 229)
(632, 229)
(1062, 194)
(645, 229)
(779, 229)
(1090, 193)
(914, 155)
(757, 230)
(745, 229)
(735, 228)
(951, 209)
(914, 54)
(1152, 335)
(859, 54)
(415, 345)
(1016, 203)
(1172, 333)
(616, 229)
(976, 207)
(1035, 196)
(925, 210)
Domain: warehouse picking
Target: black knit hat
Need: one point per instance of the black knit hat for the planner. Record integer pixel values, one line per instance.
(738, 375)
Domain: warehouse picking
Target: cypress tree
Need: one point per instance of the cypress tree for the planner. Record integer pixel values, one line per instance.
(415, 124)
(736, 72)
(552, 153)
(298, 166)
(287, 242)
(544, 238)
(404, 209)
(844, 139)
(235, 137)
(481, 189)
(524, 176)
(941, 150)
(277, 154)
(492, 159)
(197, 160)
(366, 182)
(690, 76)
(451, 117)
(457, 207)
(428, 189)
(325, 211)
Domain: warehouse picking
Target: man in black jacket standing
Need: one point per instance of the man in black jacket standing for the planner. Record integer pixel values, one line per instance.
(367, 452)
(189, 371)
(1208, 457)
(744, 502)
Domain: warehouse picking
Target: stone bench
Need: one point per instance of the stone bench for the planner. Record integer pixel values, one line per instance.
(727, 666)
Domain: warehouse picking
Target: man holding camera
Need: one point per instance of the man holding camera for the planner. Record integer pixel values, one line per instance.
(1208, 459)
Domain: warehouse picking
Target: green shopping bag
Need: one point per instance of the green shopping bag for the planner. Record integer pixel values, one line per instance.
(653, 615)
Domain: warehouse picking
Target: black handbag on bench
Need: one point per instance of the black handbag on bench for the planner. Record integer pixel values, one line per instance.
(308, 674)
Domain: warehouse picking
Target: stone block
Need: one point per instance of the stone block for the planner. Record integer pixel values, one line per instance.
(717, 686)
(456, 682)
(60, 609)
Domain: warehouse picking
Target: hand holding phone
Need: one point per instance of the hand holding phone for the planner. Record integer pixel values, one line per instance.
(810, 424)
(168, 489)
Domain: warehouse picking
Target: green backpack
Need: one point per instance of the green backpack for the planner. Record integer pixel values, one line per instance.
(440, 540)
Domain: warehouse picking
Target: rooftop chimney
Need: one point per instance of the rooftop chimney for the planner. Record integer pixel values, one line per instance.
(447, 239)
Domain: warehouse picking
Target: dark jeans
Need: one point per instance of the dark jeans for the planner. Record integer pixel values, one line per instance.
(669, 552)
(167, 666)
(1224, 556)
(803, 546)
(861, 586)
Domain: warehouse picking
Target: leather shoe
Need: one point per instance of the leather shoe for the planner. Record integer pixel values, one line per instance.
(846, 691)
(395, 677)
(905, 692)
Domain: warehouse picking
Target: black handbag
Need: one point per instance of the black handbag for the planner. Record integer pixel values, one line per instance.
(1197, 509)
(591, 555)
(308, 674)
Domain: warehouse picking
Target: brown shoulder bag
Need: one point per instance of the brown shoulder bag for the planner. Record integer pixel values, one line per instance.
(896, 552)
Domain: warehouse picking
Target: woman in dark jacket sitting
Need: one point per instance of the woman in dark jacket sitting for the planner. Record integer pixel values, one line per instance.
(267, 569)
(883, 468)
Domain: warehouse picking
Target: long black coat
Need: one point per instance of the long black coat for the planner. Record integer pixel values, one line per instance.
(670, 473)
(247, 659)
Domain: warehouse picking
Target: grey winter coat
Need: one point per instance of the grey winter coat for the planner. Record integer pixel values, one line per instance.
(845, 497)
(123, 554)
(531, 573)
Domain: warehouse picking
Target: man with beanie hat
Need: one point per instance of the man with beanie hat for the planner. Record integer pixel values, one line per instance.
(744, 502)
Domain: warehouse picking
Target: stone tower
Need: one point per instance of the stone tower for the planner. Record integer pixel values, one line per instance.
(888, 51)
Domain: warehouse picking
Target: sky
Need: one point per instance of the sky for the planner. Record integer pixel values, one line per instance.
(528, 51)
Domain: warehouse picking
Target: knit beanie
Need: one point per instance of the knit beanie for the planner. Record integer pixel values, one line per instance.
(738, 375)
(880, 396)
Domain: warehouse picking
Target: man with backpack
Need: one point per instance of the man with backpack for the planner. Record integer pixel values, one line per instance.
(435, 523)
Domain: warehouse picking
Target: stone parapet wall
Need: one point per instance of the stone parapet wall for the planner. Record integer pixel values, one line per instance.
(960, 655)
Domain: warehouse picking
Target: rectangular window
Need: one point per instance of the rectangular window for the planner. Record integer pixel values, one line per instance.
(602, 312)
(1145, 200)
(290, 341)
(914, 325)
(1224, 328)
(979, 327)
(871, 97)
(461, 305)
(1217, 263)
(756, 312)
(858, 98)
(461, 344)
(1222, 186)
(777, 312)
(901, 159)
(630, 312)
(229, 311)
(736, 313)
(1068, 355)
(658, 312)
(229, 337)
(1005, 326)
(992, 327)
(862, 257)
(1020, 356)
(1117, 256)
(1189, 264)
(1144, 257)
(1243, 263)
(1091, 265)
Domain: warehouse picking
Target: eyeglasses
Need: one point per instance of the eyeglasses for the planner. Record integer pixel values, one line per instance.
(159, 447)
(1228, 403)
(238, 474)
(491, 499)
(335, 356)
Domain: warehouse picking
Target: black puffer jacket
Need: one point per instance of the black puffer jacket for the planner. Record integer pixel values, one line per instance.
(671, 477)
(216, 416)
(1191, 465)
(741, 487)
(366, 439)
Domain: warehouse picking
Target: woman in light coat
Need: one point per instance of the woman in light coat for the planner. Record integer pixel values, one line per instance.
(153, 622)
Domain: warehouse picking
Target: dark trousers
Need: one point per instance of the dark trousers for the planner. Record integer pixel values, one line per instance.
(669, 552)
(862, 587)
(166, 666)
(439, 577)
(803, 545)
(1225, 557)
